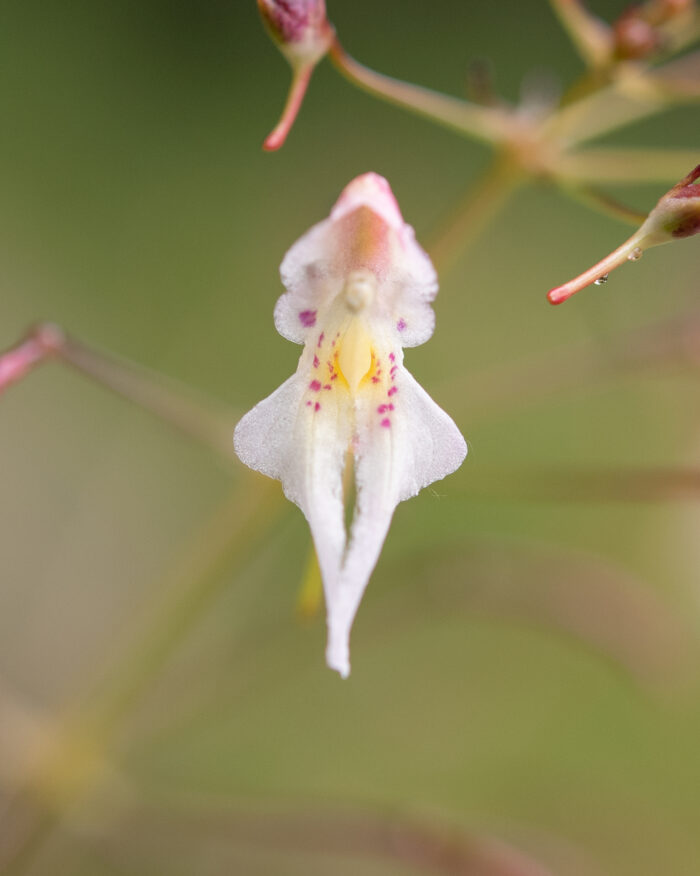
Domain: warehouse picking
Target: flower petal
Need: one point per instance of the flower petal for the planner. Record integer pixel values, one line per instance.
(403, 442)
(301, 439)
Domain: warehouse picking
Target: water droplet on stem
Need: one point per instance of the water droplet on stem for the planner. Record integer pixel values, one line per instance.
(601, 280)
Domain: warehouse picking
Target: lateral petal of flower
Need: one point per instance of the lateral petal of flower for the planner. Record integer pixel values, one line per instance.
(358, 289)
(404, 441)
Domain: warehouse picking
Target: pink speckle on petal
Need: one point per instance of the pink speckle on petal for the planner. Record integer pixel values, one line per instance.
(375, 380)
(315, 385)
(327, 386)
(316, 362)
(392, 358)
(382, 409)
(320, 338)
(386, 423)
(401, 325)
(307, 318)
(393, 390)
(334, 377)
(308, 404)
(317, 406)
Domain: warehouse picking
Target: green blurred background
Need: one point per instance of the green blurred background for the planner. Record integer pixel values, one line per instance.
(523, 666)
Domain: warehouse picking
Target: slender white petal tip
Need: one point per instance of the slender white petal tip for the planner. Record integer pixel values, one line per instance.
(338, 652)
(359, 289)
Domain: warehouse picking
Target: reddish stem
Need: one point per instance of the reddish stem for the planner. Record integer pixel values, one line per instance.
(43, 341)
(297, 90)
(599, 271)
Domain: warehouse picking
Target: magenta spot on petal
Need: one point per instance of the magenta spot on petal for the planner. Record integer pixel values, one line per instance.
(375, 380)
(307, 318)
(382, 409)
(392, 358)
(308, 404)
(320, 338)
(327, 386)
(317, 407)
(394, 369)
(316, 362)
(334, 377)
(401, 325)
(393, 390)
(386, 422)
(315, 385)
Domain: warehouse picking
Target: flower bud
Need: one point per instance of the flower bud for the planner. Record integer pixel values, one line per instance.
(676, 215)
(303, 34)
(299, 27)
(634, 37)
(645, 29)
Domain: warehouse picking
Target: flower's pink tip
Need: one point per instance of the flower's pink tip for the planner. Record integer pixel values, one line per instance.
(44, 340)
(300, 82)
(373, 191)
(275, 139)
(560, 294)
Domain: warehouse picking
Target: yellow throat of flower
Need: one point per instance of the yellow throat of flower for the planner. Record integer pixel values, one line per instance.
(355, 355)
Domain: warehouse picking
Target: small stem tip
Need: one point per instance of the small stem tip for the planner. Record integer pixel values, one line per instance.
(598, 273)
(300, 81)
(43, 340)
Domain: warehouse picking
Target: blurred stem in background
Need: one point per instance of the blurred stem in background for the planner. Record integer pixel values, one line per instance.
(202, 419)
(72, 759)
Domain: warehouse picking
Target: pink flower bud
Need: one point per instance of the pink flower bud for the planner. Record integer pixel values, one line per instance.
(645, 29)
(634, 37)
(678, 213)
(304, 35)
(299, 27)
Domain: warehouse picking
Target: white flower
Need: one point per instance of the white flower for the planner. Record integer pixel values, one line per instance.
(358, 290)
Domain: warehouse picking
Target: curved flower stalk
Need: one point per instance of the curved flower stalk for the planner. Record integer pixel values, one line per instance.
(359, 289)
(303, 34)
(676, 215)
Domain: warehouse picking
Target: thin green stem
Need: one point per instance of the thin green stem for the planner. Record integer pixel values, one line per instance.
(487, 124)
(591, 36)
(509, 387)
(479, 206)
(603, 203)
(630, 166)
(202, 419)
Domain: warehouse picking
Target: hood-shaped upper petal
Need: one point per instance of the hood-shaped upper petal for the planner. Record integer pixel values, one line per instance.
(365, 231)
